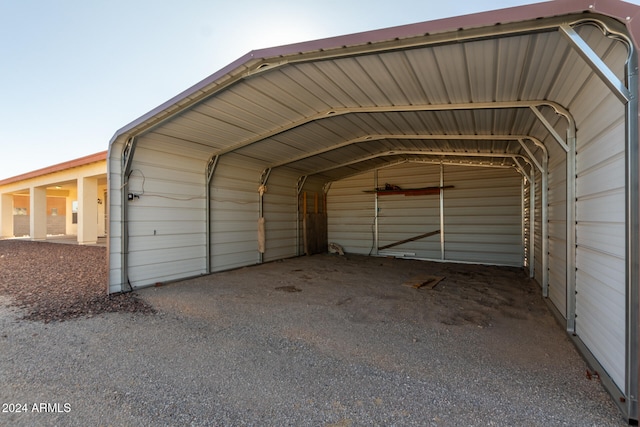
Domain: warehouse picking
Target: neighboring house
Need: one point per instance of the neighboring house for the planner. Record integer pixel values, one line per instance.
(69, 199)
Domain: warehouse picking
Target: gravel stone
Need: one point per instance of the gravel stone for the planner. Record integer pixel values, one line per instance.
(57, 282)
(351, 347)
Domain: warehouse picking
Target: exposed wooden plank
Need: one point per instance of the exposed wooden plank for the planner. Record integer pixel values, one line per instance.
(411, 239)
(315, 233)
(425, 191)
(423, 282)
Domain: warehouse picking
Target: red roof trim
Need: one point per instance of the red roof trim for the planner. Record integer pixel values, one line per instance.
(614, 8)
(92, 158)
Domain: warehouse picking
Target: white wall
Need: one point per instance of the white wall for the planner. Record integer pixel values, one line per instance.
(557, 219)
(167, 215)
(600, 244)
(600, 234)
(351, 214)
(482, 213)
(402, 217)
(537, 225)
(234, 213)
(280, 212)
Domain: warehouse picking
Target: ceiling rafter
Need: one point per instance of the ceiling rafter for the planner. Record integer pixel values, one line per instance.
(416, 153)
(439, 161)
(334, 112)
(370, 138)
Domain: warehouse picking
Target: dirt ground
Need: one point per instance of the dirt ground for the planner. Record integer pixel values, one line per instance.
(482, 329)
(325, 340)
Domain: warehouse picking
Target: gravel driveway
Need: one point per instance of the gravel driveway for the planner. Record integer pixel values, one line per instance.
(318, 341)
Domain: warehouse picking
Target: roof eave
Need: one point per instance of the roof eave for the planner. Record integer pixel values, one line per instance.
(82, 161)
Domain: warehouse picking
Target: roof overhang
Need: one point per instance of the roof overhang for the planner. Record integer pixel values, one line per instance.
(82, 161)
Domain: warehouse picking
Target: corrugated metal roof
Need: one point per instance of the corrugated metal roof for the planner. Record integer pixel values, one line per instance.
(394, 94)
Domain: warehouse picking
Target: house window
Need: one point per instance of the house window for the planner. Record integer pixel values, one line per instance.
(19, 211)
(54, 211)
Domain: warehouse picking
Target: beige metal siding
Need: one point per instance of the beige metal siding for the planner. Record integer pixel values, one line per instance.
(402, 217)
(483, 215)
(234, 213)
(600, 245)
(527, 221)
(167, 216)
(538, 236)
(557, 229)
(351, 214)
(280, 215)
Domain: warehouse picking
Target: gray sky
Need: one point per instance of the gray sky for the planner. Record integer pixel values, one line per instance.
(75, 71)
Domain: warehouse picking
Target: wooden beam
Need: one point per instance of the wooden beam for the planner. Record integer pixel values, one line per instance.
(304, 203)
(411, 239)
(426, 191)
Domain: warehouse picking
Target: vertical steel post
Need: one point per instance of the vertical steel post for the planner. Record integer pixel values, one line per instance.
(376, 238)
(632, 235)
(261, 190)
(523, 218)
(299, 187)
(127, 157)
(209, 170)
(571, 230)
(544, 220)
(532, 223)
(442, 257)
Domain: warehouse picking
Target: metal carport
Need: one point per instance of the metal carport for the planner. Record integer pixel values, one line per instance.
(546, 93)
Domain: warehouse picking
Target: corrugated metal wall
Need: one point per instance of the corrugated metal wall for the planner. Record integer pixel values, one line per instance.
(351, 214)
(167, 215)
(600, 234)
(234, 213)
(280, 212)
(402, 217)
(537, 226)
(482, 213)
(557, 220)
(600, 306)
(527, 220)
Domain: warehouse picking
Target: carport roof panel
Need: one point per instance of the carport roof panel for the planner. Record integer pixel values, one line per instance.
(620, 10)
(276, 104)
